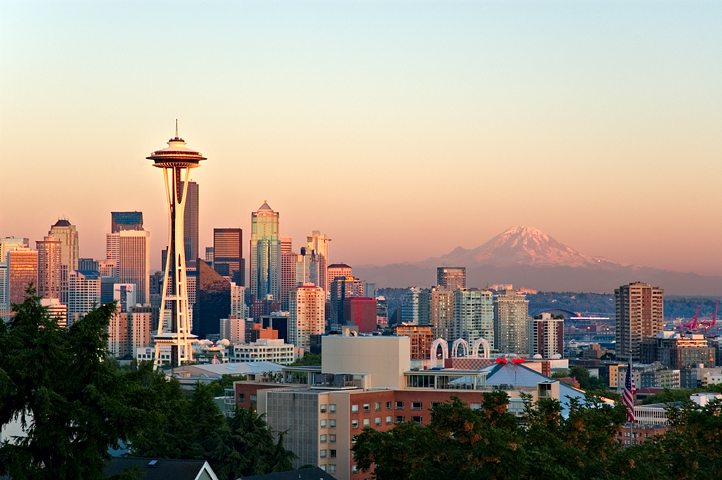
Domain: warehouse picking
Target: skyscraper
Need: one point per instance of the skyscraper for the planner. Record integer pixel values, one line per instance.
(120, 221)
(176, 161)
(7, 244)
(307, 307)
(190, 222)
(289, 268)
(318, 244)
(639, 315)
(228, 254)
(22, 271)
(410, 306)
(546, 336)
(265, 253)
(341, 289)
(213, 301)
(67, 233)
(360, 311)
(130, 249)
(337, 270)
(49, 268)
(452, 278)
(510, 322)
(473, 315)
(442, 313)
(83, 293)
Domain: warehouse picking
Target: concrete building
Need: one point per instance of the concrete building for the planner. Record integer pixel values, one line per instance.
(233, 329)
(56, 310)
(121, 221)
(421, 339)
(49, 268)
(382, 311)
(83, 293)
(67, 234)
(677, 351)
(360, 311)
(511, 311)
(124, 294)
(473, 315)
(307, 308)
(546, 336)
(451, 278)
(130, 249)
(318, 244)
(262, 350)
(238, 303)
(288, 281)
(265, 253)
(367, 382)
(410, 306)
(639, 315)
(441, 313)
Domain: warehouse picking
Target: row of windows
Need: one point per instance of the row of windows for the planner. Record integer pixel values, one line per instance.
(330, 423)
(331, 453)
(389, 406)
(389, 421)
(324, 438)
(331, 468)
(242, 397)
(331, 408)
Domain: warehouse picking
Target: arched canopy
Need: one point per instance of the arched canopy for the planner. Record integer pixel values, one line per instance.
(475, 348)
(444, 348)
(455, 347)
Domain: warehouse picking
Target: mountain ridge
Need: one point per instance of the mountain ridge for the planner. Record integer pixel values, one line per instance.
(528, 257)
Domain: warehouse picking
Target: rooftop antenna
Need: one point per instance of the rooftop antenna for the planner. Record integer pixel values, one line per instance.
(176, 128)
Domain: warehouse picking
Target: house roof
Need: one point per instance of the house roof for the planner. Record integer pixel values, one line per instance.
(517, 374)
(313, 473)
(162, 469)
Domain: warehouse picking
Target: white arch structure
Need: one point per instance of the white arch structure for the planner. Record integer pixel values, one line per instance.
(475, 348)
(444, 348)
(455, 347)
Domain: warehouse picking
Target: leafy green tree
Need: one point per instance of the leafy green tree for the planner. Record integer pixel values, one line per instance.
(71, 400)
(581, 374)
(308, 360)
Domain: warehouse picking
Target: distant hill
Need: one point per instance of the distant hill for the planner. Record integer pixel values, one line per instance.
(527, 257)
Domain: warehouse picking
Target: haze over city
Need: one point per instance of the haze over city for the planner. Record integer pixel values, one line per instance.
(401, 130)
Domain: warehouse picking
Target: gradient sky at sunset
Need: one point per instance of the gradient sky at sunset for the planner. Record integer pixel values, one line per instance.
(401, 129)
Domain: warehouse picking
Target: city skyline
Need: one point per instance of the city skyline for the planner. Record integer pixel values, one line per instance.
(628, 112)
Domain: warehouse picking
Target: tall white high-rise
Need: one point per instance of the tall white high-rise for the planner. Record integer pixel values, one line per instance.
(67, 234)
(511, 310)
(176, 160)
(238, 303)
(307, 308)
(318, 244)
(83, 293)
(473, 315)
(130, 249)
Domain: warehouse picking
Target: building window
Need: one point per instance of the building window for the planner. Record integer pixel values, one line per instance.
(475, 406)
(323, 408)
(332, 453)
(332, 408)
(388, 406)
(241, 397)
(332, 439)
(354, 468)
(254, 398)
(354, 408)
(323, 439)
(434, 404)
(367, 422)
(323, 423)
(332, 423)
(377, 421)
(322, 453)
(389, 420)
(417, 420)
(377, 406)
(367, 407)
(332, 469)
(322, 467)
(354, 423)
(416, 406)
(399, 405)
(399, 418)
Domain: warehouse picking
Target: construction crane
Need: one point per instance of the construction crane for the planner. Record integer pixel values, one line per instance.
(692, 324)
(712, 322)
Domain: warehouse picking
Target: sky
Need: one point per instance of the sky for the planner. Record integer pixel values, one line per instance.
(401, 129)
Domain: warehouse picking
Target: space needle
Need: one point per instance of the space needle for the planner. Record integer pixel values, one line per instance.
(176, 161)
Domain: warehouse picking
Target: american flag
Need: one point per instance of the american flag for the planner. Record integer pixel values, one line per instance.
(629, 392)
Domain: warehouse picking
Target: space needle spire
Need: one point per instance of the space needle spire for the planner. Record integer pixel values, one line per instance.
(176, 160)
